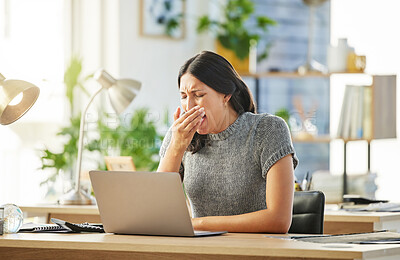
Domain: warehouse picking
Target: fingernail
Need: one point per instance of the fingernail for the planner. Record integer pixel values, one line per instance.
(197, 107)
(201, 109)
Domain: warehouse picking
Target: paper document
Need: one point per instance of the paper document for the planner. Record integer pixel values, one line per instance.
(378, 207)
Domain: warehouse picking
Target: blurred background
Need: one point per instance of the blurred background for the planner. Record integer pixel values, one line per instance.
(59, 44)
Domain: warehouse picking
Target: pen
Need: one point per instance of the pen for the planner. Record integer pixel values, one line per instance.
(309, 183)
(304, 183)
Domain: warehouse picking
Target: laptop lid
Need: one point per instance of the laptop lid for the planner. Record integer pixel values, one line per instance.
(147, 203)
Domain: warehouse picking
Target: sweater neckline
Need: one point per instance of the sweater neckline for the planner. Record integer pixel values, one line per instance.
(228, 131)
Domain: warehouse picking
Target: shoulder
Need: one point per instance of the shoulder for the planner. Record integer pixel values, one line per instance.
(271, 128)
(263, 121)
(270, 122)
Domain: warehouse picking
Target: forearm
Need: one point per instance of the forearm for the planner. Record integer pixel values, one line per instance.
(263, 221)
(171, 160)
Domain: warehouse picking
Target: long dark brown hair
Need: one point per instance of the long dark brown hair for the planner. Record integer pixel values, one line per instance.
(217, 73)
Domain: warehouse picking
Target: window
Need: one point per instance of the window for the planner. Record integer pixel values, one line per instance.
(32, 49)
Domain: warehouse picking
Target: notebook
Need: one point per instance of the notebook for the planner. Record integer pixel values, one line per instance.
(143, 203)
(31, 227)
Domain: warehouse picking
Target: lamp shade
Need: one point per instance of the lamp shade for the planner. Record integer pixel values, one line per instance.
(9, 90)
(121, 92)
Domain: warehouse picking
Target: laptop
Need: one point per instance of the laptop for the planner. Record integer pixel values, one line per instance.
(143, 203)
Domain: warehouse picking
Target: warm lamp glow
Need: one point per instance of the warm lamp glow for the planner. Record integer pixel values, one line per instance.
(16, 98)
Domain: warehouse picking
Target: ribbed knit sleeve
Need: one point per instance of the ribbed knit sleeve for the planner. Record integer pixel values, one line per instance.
(163, 150)
(273, 142)
(165, 143)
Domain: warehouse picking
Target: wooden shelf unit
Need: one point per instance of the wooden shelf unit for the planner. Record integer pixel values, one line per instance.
(383, 109)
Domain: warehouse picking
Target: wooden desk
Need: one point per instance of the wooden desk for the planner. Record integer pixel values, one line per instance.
(343, 222)
(227, 246)
(71, 213)
(336, 221)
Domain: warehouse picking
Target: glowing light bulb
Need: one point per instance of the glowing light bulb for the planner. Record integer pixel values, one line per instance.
(16, 100)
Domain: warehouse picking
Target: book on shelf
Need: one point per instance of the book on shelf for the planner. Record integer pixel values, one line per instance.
(355, 113)
(344, 119)
(384, 107)
(369, 112)
(367, 118)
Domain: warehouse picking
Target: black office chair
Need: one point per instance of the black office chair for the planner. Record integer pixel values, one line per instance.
(308, 212)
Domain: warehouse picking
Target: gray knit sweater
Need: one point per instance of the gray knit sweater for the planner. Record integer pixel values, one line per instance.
(228, 176)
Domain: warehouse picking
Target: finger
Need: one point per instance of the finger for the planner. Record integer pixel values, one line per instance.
(195, 127)
(177, 113)
(188, 113)
(193, 121)
(197, 115)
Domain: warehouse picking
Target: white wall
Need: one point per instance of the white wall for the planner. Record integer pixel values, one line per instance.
(156, 61)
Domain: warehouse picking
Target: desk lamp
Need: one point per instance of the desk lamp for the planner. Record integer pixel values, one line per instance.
(16, 98)
(11, 106)
(121, 93)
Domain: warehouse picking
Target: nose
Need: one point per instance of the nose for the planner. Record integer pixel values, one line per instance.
(191, 102)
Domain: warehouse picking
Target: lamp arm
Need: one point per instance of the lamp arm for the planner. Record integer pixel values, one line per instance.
(80, 144)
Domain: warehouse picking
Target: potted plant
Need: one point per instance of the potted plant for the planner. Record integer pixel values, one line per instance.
(136, 137)
(64, 161)
(234, 36)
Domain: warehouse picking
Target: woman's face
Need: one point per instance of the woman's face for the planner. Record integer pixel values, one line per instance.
(196, 93)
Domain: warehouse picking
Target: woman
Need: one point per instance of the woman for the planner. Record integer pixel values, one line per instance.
(237, 166)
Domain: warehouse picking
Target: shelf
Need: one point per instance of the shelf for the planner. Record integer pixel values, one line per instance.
(353, 140)
(284, 75)
(295, 74)
(325, 139)
(310, 139)
(381, 113)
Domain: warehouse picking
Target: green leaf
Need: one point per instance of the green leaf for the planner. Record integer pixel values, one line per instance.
(265, 53)
(242, 47)
(263, 22)
(232, 31)
(203, 24)
(225, 41)
(284, 114)
(171, 26)
(71, 77)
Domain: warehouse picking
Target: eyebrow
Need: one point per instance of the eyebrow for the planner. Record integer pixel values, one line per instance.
(192, 91)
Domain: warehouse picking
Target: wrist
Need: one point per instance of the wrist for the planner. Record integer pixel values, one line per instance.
(177, 147)
(198, 223)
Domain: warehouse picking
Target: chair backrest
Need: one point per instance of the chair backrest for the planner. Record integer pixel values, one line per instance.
(308, 212)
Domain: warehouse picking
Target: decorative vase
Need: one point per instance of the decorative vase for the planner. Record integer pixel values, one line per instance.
(241, 66)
